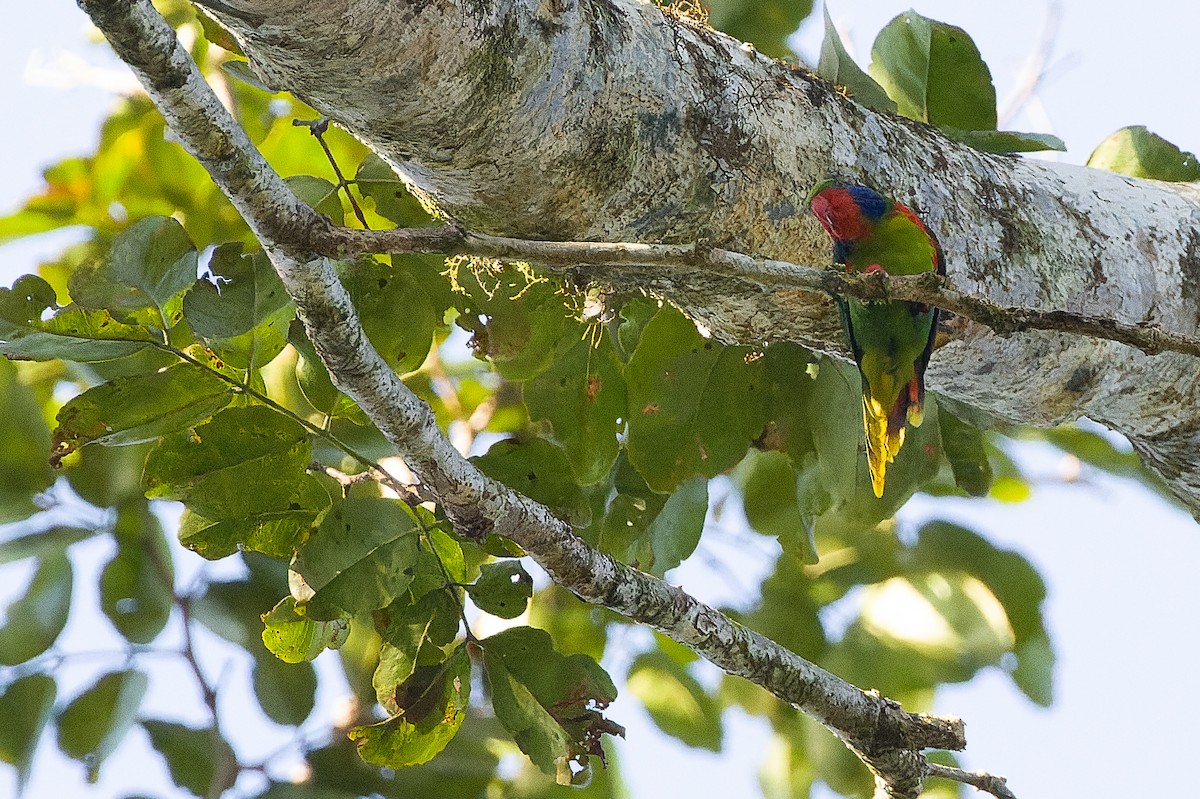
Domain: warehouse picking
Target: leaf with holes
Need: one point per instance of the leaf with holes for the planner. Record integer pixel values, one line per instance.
(432, 705)
(294, 638)
(503, 589)
(551, 704)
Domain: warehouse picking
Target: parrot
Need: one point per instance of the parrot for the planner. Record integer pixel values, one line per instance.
(891, 340)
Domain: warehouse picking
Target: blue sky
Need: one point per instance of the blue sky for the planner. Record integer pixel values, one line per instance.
(1119, 562)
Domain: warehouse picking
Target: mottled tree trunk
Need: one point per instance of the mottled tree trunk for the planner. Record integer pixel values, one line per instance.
(609, 120)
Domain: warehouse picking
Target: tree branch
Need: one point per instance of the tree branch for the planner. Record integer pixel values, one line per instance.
(651, 130)
(886, 737)
(928, 288)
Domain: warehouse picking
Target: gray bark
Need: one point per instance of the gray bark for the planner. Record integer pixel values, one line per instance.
(607, 120)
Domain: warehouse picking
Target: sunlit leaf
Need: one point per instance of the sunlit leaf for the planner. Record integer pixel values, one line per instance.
(934, 73)
(432, 707)
(836, 66)
(143, 276)
(767, 24)
(74, 333)
(293, 637)
(1137, 152)
(128, 410)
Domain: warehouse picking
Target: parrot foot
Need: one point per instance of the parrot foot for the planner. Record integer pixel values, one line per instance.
(874, 268)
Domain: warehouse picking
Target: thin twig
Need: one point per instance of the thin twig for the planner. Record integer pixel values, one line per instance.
(317, 128)
(988, 783)
(926, 288)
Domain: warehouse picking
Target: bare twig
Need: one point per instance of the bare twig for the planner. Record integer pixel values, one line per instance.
(927, 288)
(989, 783)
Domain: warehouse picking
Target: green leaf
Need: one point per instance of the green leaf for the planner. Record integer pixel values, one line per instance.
(199, 760)
(25, 705)
(934, 73)
(92, 726)
(1095, 450)
(1137, 152)
(137, 586)
(676, 529)
(127, 410)
(359, 559)
(34, 621)
(392, 199)
(770, 498)
(143, 276)
(320, 194)
(1013, 581)
(244, 460)
(294, 638)
(272, 532)
(286, 691)
(396, 312)
(47, 542)
(966, 451)
(767, 24)
(72, 333)
(241, 309)
(789, 368)
(24, 471)
(1006, 141)
(676, 702)
(583, 396)
(539, 470)
(503, 589)
(836, 66)
(516, 318)
(551, 704)
(694, 405)
(411, 632)
(432, 707)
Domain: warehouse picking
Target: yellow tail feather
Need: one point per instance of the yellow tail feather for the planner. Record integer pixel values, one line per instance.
(881, 447)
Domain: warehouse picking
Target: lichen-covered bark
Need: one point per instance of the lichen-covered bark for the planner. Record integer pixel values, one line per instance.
(609, 120)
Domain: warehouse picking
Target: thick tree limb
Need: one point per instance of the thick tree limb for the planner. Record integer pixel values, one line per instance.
(605, 120)
(885, 736)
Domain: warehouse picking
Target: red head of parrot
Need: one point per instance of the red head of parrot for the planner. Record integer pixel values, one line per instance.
(848, 212)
